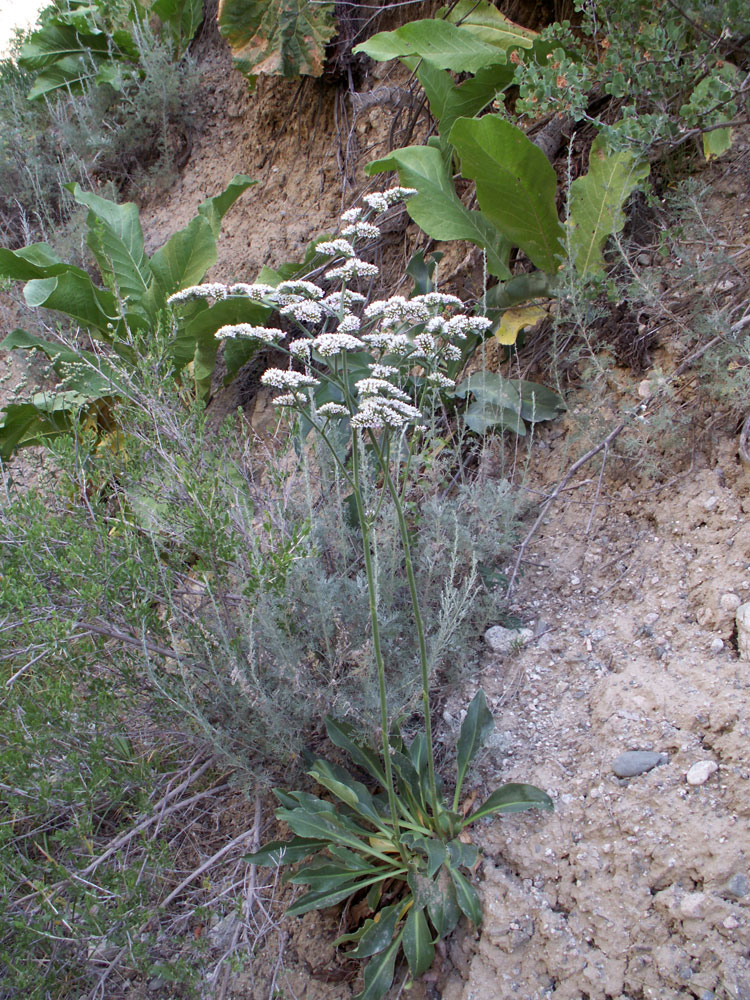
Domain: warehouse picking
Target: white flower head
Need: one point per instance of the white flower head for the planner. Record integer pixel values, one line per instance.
(300, 287)
(301, 348)
(335, 248)
(395, 194)
(349, 324)
(383, 371)
(245, 331)
(377, 201)
(333, 410)
(439, 299)
(307, 311)
(362, 230)
(211, 290)
(374, 386)
(353, 268)
(440, 381)
(257, 291)
(351, 215)
(279, 378)
(289, 399)
(425, 344)
(451, 352)
(330, 344)
(436, 325)
(338, 300)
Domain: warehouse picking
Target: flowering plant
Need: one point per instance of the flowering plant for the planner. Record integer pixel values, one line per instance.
(369, 373)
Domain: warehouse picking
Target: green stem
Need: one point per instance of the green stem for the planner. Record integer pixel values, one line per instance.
(417, 620)
(379, 663)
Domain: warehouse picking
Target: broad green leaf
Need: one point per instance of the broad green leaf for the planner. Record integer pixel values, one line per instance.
(115, 238)
(326, 898)
(483, 417)
(447, 46)
(85, 373)
(437, 209)
(182, 18)
(462, 855)
(277, 37)
(214, 209)
(35, 261)
(466, 897)
(329, 826)
(597, 200)
(324, 875)
(522, 288)
(442, 906)
(46, 416)
(476, 727)
(512, 798)
(537, 401)
(433, 849)
(485, 22)
(515, 320)
(516, 185)
(417, 943)
(74, 294)
(378, 932)
(379, 972)
(346, 737)
(449, 101)
(284, 852)
(716, 142)
(491, 387)
(418, 754)
(183, 260)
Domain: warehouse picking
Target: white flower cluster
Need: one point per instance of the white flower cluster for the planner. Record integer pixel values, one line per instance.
(266, 334)
(362, 230)
(279, 378)
(333, 410)
(306, 311)
(211, 290)
(381, 201)
(349, 324)
(330, 344)
(352, 215)
(353, 268)
(382, 404)
(335, 248)
(397, 310)
(300, 348)
(337, 301)
(257, 291)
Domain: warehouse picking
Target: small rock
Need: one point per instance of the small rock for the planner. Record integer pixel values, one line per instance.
(693, 905)
(633, 762)
(701, 771)
(717, 645)
(644, 389)
(644, 259)
(156, 984)
(729, 602)
(710, 503)
(707, 995)
(503, 640)
(574, 581)
(736, 886)
(743, 631)
(731, 923)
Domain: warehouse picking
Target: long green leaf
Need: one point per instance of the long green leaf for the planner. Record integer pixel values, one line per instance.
(442, 906)
(214, 209)
(512, 798)
(378, 933)
(181, 18)
(46, 416)
(516, 185)
(447, 46)
(115, 238)
(35, 261)
(337, 780)
(328, 897)
(449, 101)
(597, 200)
(284, 852)
(418, 946)
(437, 209)
(331, 826)
(379, 972)
(183, 260)
(467, 898)
(346, 737)
(485, 23)
(324, 875)
(476, 727)
(75, 294)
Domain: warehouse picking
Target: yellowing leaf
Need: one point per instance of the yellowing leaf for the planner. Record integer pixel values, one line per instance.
(515, 320)
(716, 142)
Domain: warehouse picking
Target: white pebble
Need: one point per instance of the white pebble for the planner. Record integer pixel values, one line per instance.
(729, 602)
(717, 645)
(701, 771)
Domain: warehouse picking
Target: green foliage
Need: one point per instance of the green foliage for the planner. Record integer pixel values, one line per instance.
(277, 37)
(79, 43)
(357, 852)
(500, 403)
(120, 314)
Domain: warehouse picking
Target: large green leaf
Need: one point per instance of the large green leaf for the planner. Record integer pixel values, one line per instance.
(476, 727)
(485, 23)
(85, 373)
(183, 260)
(447, 46)
(284, 852)
(516, 185)
(35, 261)
(512, 798)
(437, 209)
(597, 200)
(214, 209)
(181, 18)
(338, 781)
(74, 294)
(277, 37)
(115, 238)
(417, 943)
(45, 416)
(66, 56)
(378, 932)
(449, 101)
(466, 897)
(329, 897)
(346, 737)
(324, 875)
(379, 972)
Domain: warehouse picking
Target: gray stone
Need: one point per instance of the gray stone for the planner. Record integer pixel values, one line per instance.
(717, 645)
(633, 762)
(736, 886)
(503, 640)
